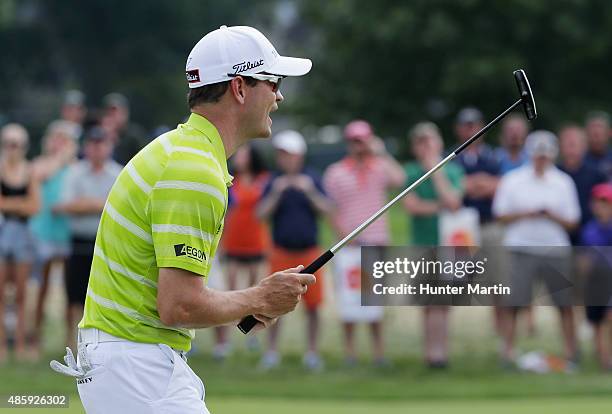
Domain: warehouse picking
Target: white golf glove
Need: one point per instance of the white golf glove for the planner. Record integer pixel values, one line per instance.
(72, 369)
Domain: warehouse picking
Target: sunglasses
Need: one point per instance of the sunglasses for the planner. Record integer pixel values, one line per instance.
(603, 199)
(11, 144)
(275, 80)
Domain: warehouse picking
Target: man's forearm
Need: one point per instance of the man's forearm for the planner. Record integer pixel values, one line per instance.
(448, 196)
(511, 217)
(396, 174)
(422, 208)
(214, 307)
(82, 206)
(321, 203)
(568, 225)
(268, 205)
(184, 301)
(480, 185)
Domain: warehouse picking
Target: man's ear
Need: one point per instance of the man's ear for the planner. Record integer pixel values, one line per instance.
(237, 88)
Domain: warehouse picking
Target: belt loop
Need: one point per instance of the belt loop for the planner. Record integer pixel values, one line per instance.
(96, 337)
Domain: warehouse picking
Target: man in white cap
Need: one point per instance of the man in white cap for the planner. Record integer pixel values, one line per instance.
(538, 203)
(159, 232)
(292, 201)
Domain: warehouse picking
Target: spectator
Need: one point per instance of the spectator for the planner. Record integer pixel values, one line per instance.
(539, 204)
(358, 186)
(512, 154)
(245, 238)
(292, 200)
(573, 147)
(598, 233)
(51, 231)
(482, 172)
(442, 192)
(84, 193)
(74, 109)
(127, 137)
(18, 201)
(599, 155)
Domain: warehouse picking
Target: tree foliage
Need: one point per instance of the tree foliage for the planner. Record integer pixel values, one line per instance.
(395, 62)
(389, 61)
(136, 47)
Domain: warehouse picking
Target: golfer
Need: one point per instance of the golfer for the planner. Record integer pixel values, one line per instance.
(159, 232)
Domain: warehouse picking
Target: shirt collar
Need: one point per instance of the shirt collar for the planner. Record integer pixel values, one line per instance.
(203, 125)
(105, 168)
(547, 173)
(365, 164)
(522, 155)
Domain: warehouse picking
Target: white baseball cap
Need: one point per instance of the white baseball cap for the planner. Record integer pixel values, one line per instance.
(542, 143)
(238, 50)
(291, 141)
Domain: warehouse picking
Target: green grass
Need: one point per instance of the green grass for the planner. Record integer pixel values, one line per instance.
(282, 406)
(279, 406)
(407, 379)
(471, 382)
(474, 377)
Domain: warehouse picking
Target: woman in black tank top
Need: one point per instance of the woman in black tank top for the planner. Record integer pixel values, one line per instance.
(19, 199)
(7, 192)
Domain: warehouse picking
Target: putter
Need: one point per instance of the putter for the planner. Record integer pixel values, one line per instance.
(529, 106)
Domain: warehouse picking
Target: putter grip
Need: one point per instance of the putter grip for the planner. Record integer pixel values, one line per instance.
(246, 324)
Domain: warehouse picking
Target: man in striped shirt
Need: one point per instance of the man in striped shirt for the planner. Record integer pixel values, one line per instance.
(358, 186)
(159, 232)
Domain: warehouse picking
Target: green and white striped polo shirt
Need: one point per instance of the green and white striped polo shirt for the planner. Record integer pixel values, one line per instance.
(166, 209)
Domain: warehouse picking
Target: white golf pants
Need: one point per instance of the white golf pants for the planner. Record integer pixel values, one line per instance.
(136, 378)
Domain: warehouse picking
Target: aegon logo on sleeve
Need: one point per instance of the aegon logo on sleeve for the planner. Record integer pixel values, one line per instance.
(191, 252)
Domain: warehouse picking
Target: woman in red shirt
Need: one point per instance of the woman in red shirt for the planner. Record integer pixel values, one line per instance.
(245, 238)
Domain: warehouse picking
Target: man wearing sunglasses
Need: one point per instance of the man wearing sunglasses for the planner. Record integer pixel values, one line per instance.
(159, 232)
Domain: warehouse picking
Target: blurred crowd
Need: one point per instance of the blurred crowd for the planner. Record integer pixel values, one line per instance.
(536, 188)
(50, 208)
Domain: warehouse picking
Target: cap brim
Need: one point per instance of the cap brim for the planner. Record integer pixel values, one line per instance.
(290, 66)
(292, 151)
(544, 153)
(361, 138)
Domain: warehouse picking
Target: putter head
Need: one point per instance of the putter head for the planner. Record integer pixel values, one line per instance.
(526, 95)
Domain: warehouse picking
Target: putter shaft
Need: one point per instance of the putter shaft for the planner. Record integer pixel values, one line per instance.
(424, 177)
(526, 99)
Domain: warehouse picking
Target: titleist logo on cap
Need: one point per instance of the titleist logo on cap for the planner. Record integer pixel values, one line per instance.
(193, 75)
(244, 66)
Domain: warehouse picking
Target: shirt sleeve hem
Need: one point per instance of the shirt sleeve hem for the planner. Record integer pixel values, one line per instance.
(180, 264)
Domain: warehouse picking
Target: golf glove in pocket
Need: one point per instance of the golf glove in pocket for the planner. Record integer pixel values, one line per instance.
(72, 369)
